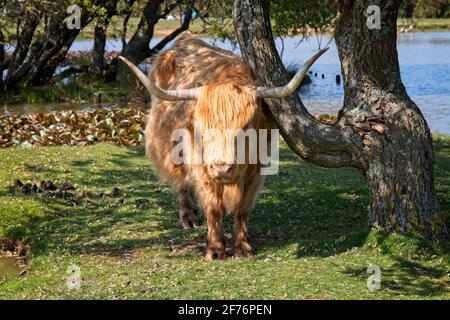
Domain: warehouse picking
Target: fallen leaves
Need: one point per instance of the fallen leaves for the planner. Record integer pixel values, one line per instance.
(123, 127)
(325, 118)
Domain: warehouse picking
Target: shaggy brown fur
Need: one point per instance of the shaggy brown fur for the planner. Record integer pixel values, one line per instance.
(227, 102)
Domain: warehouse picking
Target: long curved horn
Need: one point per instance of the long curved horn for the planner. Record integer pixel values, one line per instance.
(282, 92)
(153, 89)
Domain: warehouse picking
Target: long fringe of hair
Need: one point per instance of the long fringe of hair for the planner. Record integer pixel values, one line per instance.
(226, 106)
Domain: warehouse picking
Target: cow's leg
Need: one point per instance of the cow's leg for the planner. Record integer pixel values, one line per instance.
(186, 207)
(216, 238)
(240, 227)
(210, 195)
(241, 247)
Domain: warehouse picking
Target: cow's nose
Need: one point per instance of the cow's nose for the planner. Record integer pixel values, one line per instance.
(223, 169)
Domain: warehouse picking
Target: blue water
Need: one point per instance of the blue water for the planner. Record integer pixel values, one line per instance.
(424, 62)
(424, 59)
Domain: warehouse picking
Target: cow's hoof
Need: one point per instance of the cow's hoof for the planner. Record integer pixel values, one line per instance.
(242, 250)
(215, 252)
(188, 219)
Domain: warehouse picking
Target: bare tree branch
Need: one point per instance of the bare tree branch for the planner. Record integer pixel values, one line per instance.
(184, 26)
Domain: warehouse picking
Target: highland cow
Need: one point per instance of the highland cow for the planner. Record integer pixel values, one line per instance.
(192, 84)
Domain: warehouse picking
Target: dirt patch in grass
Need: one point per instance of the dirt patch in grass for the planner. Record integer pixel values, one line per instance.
(14, 247)
(14, 257)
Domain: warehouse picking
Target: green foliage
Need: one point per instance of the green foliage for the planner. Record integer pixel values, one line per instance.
(425, 9)
(294, 17)
(428, 24)
(217, 18)
(287, 17)
(78, 90)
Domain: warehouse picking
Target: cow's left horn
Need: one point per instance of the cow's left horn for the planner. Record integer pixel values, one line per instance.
(282, 92)
(153, 89)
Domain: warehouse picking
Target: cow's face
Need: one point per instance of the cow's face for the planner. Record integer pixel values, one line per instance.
(224, 173)
(224, 113)
(224, 160)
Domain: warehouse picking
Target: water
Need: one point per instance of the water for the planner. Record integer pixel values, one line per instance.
(9, 267)
(424, 61)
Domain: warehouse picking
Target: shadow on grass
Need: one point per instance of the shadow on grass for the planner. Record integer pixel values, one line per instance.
(321, 210)
(407, 276)
(82, 227)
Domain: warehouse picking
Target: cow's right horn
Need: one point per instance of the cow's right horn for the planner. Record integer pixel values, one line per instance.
(288, 89)
(154, 90)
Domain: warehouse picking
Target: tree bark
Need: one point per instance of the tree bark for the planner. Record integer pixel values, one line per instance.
(399, 151)
(2, 60)
(28, 28)
(100, 35)
(379, 130)
(138, 48)
(53, 51)
(38, 55)
(98, 52)
(34, 62)
(323, 144)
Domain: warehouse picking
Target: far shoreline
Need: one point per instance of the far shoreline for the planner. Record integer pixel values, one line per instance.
(165, 27)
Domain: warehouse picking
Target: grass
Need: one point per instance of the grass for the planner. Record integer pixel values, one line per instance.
(75, 91)
(308, 229)
(162, 28)
(427, 24)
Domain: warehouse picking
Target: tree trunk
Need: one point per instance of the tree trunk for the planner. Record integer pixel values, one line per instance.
(28, 28)
(399, 151)
(314, 141)
(38, 54)
(98, 52)
(52, 52)
(138, 48)
(379, 130)
(2, 60)
(100, 35)
(34, 63)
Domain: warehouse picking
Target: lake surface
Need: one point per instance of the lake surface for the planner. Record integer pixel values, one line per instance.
(424, 61)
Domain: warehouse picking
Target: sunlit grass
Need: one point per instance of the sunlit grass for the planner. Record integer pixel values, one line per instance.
(428, 24)
(72, 91)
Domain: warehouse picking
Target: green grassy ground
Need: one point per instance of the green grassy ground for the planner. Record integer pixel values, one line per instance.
(428, 24)
(161, 28)
(75, 91)
(308, 229)
(198, 27)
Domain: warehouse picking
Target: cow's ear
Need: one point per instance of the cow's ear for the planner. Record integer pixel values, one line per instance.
(165, 71)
